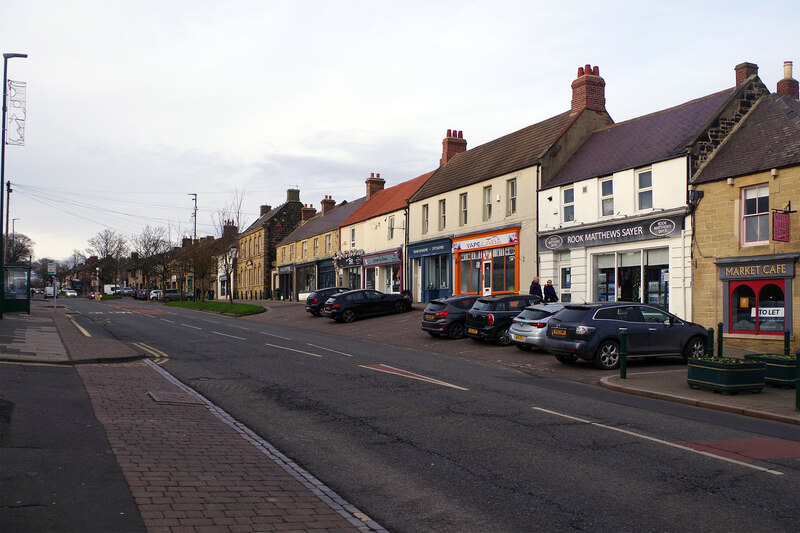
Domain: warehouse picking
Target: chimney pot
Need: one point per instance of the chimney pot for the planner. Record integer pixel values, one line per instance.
(449, 133)
(453, 144)
(580, 72)
(596, 71)
(588, 92)
(788, 86)
(374, 184)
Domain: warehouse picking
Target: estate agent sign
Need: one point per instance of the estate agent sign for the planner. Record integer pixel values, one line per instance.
(640, 230)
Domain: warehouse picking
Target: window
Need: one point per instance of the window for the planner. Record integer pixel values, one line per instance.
(503, 269)
(425, 218)
(511, 194)
(291, 252)
(644, 182)
(283, 254)
(442, 215)
(569, 205)
(755, 215)
(487, 203)
(391, 227)
(316, 246)
(305, 249)
(352, 237)
(327, 244)
(462, 213)
(757, 307)
(607, 197)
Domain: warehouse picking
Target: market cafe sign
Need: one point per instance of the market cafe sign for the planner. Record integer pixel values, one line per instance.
(756, 269)
(615, 233)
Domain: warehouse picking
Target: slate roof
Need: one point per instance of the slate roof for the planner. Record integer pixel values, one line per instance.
(641, 141)
(768, 137)
(323, 224)
(263, 219)
(512, 152)
(387, 200)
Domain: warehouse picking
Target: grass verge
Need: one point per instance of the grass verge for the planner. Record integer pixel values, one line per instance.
(220, 307)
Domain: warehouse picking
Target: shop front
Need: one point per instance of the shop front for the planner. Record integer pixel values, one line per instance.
(348, 264)
(326, 274)
(758, 295)
(642, 261)
(285, 288)
(383, 271)
(486, 263)
(305, 279)
(429, 267)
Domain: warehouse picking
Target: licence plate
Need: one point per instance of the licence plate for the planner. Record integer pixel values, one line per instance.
(518, 337)
(558, 331)
(327, 307)
(429, 316)
(472, 330)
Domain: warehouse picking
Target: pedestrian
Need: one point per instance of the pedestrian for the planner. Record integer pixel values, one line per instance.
(550, 292)
(536, 289)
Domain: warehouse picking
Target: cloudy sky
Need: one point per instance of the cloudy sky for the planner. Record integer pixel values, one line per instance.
(134, 105)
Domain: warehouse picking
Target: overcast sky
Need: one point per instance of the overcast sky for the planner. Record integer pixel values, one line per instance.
(133, 105)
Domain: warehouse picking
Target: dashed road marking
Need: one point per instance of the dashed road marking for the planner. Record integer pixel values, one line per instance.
(292, 350)
(329, 350)
(278, 336)
(190, 326)
(231, 336)
(406, 374)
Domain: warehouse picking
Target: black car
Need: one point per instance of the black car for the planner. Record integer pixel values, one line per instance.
(491, 316)
(316, 300)
(591, 332)
(446, 316)
(359, 303)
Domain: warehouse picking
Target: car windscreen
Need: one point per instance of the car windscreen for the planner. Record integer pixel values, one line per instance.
(572, 314)
(534, 314)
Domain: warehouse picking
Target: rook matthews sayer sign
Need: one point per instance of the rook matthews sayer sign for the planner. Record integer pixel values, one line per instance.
(640, 230)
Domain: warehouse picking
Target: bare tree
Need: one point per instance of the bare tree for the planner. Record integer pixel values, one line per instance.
(20, 248)
(109, 246)
(148, 246)
(228, 221)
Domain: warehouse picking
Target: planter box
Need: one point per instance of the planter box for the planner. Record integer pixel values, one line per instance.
(778, 371)
(726, 377)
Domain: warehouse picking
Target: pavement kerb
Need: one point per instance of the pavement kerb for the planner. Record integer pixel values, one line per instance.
(608, 383)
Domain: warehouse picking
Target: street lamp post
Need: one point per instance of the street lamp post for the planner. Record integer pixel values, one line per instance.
(13, 233)
(6, 57)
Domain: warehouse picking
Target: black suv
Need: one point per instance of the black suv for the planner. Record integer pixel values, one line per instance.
(316, 300)
(491, 316)
(446, 316)
(591, 332)
(347, 306)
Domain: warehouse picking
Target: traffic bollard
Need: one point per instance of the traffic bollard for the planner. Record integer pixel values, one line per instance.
(710, 343)
(623, 353)
(719, 340)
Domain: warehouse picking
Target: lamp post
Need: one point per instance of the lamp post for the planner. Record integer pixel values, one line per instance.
(98, 280)
(6, 57)
(13, 233)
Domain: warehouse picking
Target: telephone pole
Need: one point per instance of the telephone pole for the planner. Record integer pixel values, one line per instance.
(194, 243)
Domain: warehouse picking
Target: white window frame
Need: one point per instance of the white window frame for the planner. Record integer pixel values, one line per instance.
(425, 214)
(648, 190)
(606, 198)
(328, 243)
(291, 252)
(762, 187)
(352, 237)
(568, 206)
(391, 227)
(511, 193)
(463, 211)
(442, 214)
(305, 249)
(316, 246)
(487, 203)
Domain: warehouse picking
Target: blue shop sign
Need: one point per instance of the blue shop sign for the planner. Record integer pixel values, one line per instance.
(431, 248)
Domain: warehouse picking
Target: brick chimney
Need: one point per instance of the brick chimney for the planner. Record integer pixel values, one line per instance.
(307, 212)
(374, 184)
(744, 71)
(327, 204)
(588, 90)
(186, 242)
(265, 209)
(453, 144)
(788, 86)
(229, 231)
(292, 195)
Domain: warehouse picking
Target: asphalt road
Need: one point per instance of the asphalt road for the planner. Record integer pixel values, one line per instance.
(463, 438)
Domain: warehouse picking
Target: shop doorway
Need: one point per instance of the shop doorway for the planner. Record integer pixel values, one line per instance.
(487, 278)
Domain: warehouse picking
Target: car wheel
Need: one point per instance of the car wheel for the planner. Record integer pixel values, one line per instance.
(607, 355)
(502, 337)
(400, 307)
(433, 333)
(456, 330)
(566, 359)
(524, 347)
(348, 316)
(694, 348)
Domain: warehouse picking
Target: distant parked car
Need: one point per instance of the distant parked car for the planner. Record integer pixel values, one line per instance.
(591, 332)
(142, 294)
(491, 316)
(127, 291)
(446, 316)
(155, 294)
(172, 295)
(316, 300)
(69, 293)
(528, 329)
(349, 305)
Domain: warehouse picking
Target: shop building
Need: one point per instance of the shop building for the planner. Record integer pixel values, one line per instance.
(747, 243)
(615, 222)
(430, 269)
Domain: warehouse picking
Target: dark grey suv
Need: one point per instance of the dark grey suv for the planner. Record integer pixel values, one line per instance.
(446, 316)
(591, 332)
(491, 316)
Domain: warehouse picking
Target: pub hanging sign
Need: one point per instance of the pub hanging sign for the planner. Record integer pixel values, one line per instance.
(780, 226)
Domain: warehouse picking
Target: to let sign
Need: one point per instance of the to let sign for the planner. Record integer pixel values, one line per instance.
(780, 227)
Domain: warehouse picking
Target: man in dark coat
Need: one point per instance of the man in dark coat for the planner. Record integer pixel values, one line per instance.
(536, 289)
(550, 292)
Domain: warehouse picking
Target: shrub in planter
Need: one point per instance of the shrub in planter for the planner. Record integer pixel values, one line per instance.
(779, 369)
(725, 374)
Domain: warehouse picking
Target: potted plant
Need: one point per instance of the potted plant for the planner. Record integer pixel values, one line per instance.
(779, 369)
(725, 374)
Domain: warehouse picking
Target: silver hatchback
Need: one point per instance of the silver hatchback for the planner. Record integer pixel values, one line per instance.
(530, 326)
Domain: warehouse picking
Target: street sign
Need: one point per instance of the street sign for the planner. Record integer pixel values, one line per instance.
(51, 269)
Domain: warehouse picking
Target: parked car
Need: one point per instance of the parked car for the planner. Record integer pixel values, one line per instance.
(69, 293)
(446, 316)
(528, 329)
(359, 303)
(142, 294)
(127, 291)
(591, 332)
(491, 316)
(173, 295)
(155, 294)
(316, 300)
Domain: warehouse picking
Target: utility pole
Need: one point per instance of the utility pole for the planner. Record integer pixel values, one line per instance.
(8, 211)
(194, 243)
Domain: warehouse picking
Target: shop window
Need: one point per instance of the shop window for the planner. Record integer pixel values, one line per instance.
(511, 194)
(569, 205)
(757, 307)
(462, 209)
(607, 197)
(645, 189)
(755, 215)
(442, 215)
(470, 272)
(503, 269)
(437, 272)
(487, 203)
(425, 218)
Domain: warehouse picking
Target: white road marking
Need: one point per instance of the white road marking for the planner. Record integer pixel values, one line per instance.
(231, 336)
(329, 350)
(240, 327)
(406, 374)
(190, 326)
(278, 336)
(292, 349)
(170, 321)
(659, 441)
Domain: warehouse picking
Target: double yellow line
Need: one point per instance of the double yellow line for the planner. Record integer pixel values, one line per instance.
(160, 357)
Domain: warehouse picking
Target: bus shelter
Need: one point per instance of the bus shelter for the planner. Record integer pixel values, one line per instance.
(17, 296)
